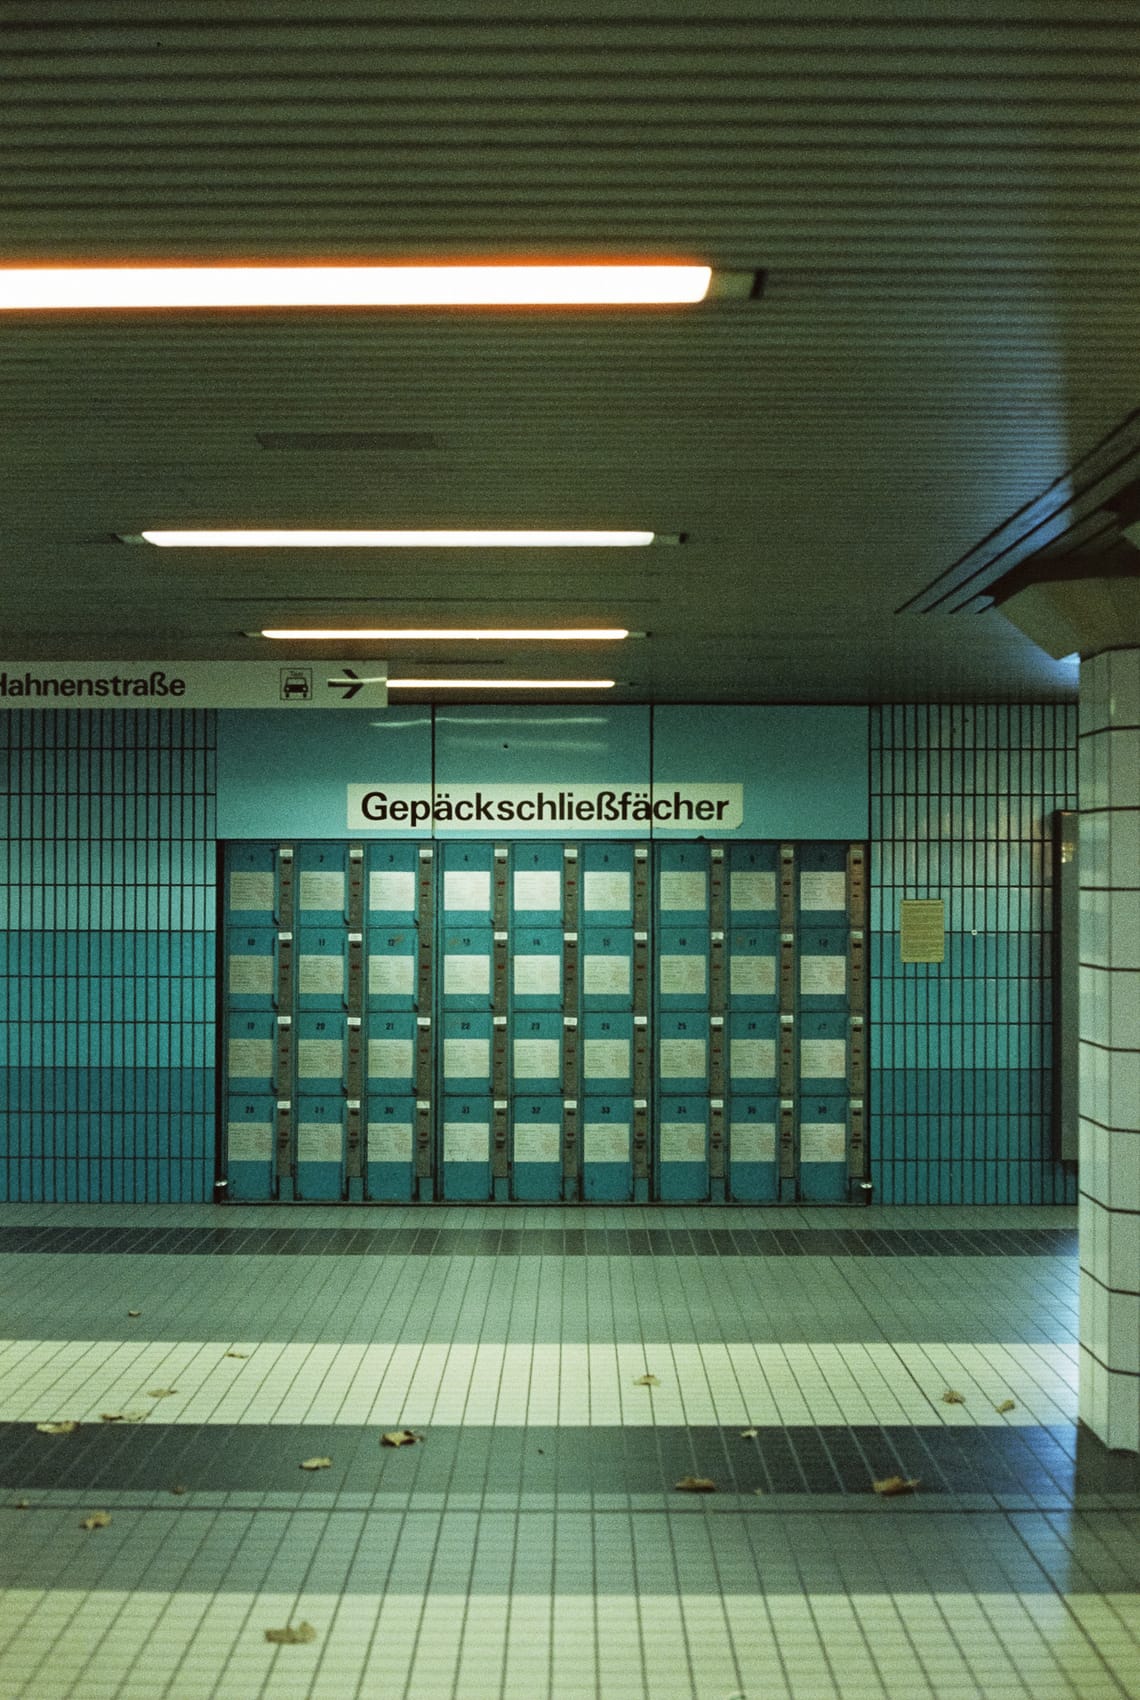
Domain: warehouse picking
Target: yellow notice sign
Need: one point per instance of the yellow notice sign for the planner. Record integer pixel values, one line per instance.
(922, 929)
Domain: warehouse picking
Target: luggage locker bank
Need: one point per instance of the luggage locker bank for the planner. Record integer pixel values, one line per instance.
(580, 953)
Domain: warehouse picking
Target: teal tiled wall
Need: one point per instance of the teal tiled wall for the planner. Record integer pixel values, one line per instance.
(961, 804)
(107, 895)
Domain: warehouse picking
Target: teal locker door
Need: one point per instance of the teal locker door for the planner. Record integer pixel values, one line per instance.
(536, 1149)
(607, 885)
(391, 885)
(607, 1149)
(753, 1052)
(466, 1147)
(607, 1053)
(319, 1169)
(823, 968)
(251, 1052)
(822, 880)
(322, 968)
(607, 968)
(467, 968)
(683, 885)
(753, 885)
(321, 1054)
(251, 968)
(823, 1055)
(536, 1053)
(250, 1124)
(536, 968)
(468, 885)
(251, 885)
(389, 1148)
(322, 885)
(683, 1052)
(536, 885)
(466, 1059)
(682, 967)
(390, 1053)
(682, 1150)
(823, 1150)
(753, 1171)
(752, 955)
(393, 965)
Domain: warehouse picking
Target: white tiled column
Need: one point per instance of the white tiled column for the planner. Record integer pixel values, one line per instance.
(1110, 1047)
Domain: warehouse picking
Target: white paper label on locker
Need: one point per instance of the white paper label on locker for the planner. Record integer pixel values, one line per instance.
(320, 1059)
(249, 1142)
(538, 1142)
(607, 888)
(752, 1059)
(752, 1142)
(390, 1059)
(823, 1059)
(605, 1142)
(537, 1059)
(682, 1142)
(539, 889)
(607, 976)
(823, 890)
(321, 975)
(389, 1142)
(467, 975)
(606, 1059)
(683, 889)
(392, 975)
(322, 889)
(682, 1059)
(320, 1142)
(823, 1142)
(538, 976)
(252, 889)
(752, 976)
(683, 974)
(752, 890)
(251, 974)
(823, 976)
(391, 891)
(467, 888)
(466, 1142)
(250, 1058)
(467, 1059)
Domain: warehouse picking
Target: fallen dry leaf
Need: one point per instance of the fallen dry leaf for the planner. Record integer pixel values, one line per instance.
(316, 1463)
(399, 1437)
(67, 1427)
(161, 1392)
(237, 1354)
(891, 1486)
(123, 1416)
(1006, 1405)
(180, 1487)
(647, 1381)
(953, 1397)
(96, 1520)
(292, 1634)
(134, 1313)
(748, 1433)
(695, 1484)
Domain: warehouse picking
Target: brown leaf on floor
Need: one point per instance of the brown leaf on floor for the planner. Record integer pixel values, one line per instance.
(161, 1392)
(1006, 1405)
(134, 1313)
(647, 1381)
(748, 1433)
(400, 1437)
(695, 1484)
(316, 1463)
(292, 1634)
(179, 1488)
(953, 1397)
(65, 1427)
(123, 1416)
(237, 1354)
(96, 1520)
(891, 1486)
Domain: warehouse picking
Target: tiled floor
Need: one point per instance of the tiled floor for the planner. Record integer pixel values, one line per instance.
(532, 1542)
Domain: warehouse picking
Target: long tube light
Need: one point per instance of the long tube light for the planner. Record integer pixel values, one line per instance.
(501, 684)
(458, 634)
(280, 539)
(50, 288)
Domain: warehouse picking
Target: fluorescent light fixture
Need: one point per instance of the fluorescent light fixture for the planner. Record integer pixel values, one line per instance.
(501, 684)
(396, 539)
(48, 288)
(458, 634)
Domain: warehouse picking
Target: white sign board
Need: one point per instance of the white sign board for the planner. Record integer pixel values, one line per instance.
(557, 807)
(193, 684)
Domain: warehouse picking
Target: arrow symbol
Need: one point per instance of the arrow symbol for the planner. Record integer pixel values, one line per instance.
(350, 684)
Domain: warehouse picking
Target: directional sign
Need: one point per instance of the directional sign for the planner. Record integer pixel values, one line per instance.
(193, 684)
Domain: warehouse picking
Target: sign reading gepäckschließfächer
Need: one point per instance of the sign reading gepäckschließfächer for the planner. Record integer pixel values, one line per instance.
(193, 684)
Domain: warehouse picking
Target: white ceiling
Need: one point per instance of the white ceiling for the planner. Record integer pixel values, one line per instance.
(944, 201)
